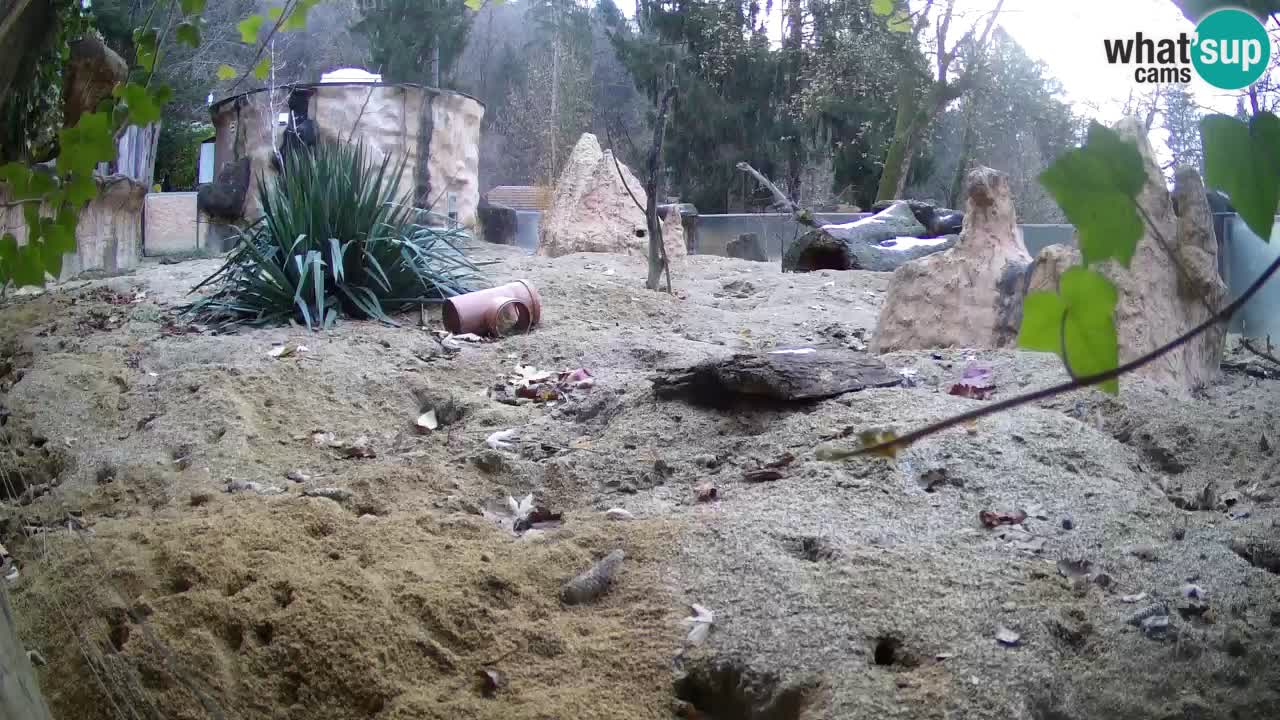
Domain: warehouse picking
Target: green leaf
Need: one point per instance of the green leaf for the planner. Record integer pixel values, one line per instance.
(1244, 162)
(192, 7)
(144, 41)
(142, 107)
(475, 4)
(297, 19)
(8, 255)
(189, 34)
(226, 72)
(263, 69)
(28, 266)
(1096, 186)
(900, 23)
(249, 29)
(81, 189)
(882, 7)
(1078, 324)
(274, 13)
(90, 142)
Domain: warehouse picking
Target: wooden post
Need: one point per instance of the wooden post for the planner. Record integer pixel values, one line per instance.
(20, 697)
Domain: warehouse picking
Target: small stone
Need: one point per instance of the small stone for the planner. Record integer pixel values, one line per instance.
(1178, 533)
(1275, 618)
(1007, 637)
(1144, 552)
(486, 557)
(298, 476)
(1103, 580)
(1155, 626)
(1193, 592)
(706, 461)
(36, 658)
(628, 488)
(1009, 606)
(1068, 523)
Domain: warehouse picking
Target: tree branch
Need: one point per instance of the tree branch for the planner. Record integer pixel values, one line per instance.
(618, 166)
(657, 248)
(288, 9)
(1221, 317)
(801, 215)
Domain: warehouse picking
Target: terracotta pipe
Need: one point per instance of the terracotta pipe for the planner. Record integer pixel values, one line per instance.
(507, 316)
(466, 313)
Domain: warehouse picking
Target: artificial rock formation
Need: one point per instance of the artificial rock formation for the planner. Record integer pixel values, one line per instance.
(969, 296)
(92, 71)
(593, 212)
(881, 242)
(1171, 285)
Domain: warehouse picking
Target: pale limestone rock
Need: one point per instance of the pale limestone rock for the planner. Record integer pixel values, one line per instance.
(970, 295)
(1172, 283)
(593, 212)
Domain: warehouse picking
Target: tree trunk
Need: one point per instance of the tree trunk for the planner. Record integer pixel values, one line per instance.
(657, 251)
(897, 163)
(966, 156)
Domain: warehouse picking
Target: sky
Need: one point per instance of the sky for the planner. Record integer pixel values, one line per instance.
(1067, 36)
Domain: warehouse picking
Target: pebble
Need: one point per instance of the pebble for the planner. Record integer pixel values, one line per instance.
(1144, 552)
(1068, 523)
(486, 557)
(1009, 606)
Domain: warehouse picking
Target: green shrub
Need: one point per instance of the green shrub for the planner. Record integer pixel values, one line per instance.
(333, 239)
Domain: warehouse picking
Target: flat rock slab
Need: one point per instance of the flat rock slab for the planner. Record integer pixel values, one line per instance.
(790, 374)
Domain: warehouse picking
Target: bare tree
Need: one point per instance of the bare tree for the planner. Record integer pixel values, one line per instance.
(917, 107)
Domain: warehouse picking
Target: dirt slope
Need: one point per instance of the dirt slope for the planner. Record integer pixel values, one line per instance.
(841, 590)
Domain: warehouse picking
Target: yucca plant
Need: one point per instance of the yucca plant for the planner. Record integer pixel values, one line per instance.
(335, 239)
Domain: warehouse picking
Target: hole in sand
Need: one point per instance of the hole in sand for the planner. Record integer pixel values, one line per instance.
(264, 631)
(824, 259)
(889, 652)
(730, 691)
(105, 474)
(283, 593)
(810, 548)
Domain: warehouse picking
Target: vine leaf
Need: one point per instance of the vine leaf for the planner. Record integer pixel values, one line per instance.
(90, 142)
(192, 7)
(297, 19)
(249, 29)
(1078, 324)
(144, 40)
(475, 4)
(1096, 186)
(262, 69)
(188, 33)
(882, 7)
(226, 72)
(143, 110)
(1244, 162)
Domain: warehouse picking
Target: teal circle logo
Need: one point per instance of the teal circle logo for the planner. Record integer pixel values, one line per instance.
(1232, 49)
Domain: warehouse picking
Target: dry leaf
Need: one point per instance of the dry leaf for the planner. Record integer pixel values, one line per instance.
(1133, 598)
(993, 519)
(707, 493)
(360, 449)
(618, 514)
(762, 475)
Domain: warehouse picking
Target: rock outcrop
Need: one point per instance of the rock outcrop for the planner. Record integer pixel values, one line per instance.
(1171, 285)
(593, 212)
(93, 69)
(882, 242)
(970, 295)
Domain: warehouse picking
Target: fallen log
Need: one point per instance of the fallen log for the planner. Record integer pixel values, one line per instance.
(787, 375)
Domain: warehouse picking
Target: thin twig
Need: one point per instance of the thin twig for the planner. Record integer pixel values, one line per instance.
(288, 9)
(1221, 317)
(802, 216)
(1247, 344)
(613, 152)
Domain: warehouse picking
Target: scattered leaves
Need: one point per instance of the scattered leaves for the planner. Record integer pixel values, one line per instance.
(707, 493)
(762, 475)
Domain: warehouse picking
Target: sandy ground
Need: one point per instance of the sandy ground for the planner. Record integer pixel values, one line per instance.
(842, 590)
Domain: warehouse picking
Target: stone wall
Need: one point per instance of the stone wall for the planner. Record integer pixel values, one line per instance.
(109, 236)
(172, 225)
(436, 133)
